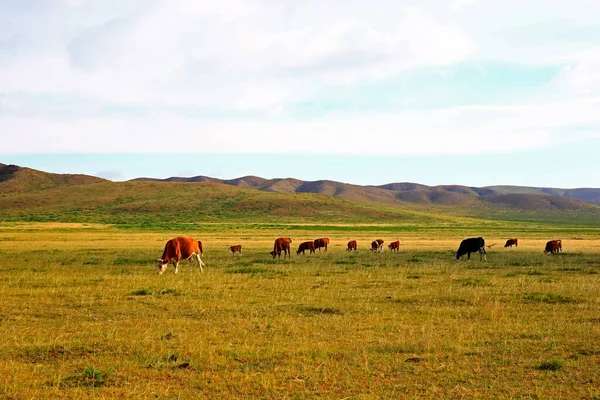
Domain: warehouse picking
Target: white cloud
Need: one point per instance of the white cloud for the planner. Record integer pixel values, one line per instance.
(204, 52)
(246, 61)
(458, 130)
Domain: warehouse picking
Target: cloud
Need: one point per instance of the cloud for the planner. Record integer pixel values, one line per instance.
(113, 76)
(454, 130)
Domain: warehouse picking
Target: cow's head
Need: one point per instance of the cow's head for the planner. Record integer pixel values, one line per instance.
(273, 253)
(161, 265)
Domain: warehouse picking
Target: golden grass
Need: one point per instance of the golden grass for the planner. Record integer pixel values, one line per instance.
(85, 315)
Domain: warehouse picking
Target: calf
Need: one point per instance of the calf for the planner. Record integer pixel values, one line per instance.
(377, 245)
(310, 246)
(236, 249)
(553, 247)
(180, 248)
(394, 246)
(472, 245)
(352, 245)
(511, 242)
(281, 244)
(321, 242)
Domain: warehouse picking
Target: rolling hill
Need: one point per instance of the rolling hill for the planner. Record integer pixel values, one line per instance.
(15, 179)
(31, 195)
(417, 195)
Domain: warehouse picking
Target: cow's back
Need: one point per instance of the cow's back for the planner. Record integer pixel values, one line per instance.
(181, 248)
(471, 245)
(188, 246)
(282, 243)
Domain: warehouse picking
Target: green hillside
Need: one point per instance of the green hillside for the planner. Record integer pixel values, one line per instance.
(164, 203)
(30, 195)
(15, 179)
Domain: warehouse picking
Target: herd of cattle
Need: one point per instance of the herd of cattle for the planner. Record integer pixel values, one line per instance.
(186, 248)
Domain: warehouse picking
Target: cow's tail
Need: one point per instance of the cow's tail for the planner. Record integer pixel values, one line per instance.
(200, 247)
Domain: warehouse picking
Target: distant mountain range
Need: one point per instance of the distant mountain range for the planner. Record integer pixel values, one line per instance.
(529, 198)
(27, 193)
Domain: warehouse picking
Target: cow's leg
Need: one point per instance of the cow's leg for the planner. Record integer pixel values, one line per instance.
(468, 256)
(191, 261)
(200, 263)
(176, 265)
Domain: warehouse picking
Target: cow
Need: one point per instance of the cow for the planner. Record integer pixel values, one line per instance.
(377, 245)
(180, 248)
(394, 246)
(553, 247)
(236, 249)
(306, 246)
(281, 244)
(321, 242)
(511, 242)
(472, 245)
(352, 245)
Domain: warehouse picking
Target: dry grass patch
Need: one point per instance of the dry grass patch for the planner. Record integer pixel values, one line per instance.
(85, 315)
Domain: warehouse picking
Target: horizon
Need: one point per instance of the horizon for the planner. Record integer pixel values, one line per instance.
(468, 92)
(370, 171)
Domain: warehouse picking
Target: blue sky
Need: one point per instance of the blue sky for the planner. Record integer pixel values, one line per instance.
(429, 91)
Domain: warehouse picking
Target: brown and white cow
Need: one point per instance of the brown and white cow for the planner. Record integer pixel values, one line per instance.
(394, 246)
(511, 242)
(352, 245)
(377, 245)
(282, 244)
(321, 242)
(180, 248)
(236, 249)
(553, 247)
(310, 246)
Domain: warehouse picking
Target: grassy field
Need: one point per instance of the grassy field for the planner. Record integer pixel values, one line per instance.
(84, 315)
(162, 204)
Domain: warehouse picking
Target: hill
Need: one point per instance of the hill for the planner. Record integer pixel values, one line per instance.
(15, 179)
(30, 195)
(169, 203)
(441, 198)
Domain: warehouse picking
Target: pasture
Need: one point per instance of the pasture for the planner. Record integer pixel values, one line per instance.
(84, 314)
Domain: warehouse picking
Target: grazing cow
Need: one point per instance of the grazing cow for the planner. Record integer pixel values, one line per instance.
(394, 246)
(236, 249)
(306, 246)
(377, 245)
(321, 242)
(511, 242)
(352, 245)
(282, 244)
(553, 247)
(180, 248)
(472, 245)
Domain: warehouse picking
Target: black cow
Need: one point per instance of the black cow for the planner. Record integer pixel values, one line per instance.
(471, 245)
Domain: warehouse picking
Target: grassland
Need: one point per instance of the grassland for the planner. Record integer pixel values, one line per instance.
(162, 204)
(85, 315)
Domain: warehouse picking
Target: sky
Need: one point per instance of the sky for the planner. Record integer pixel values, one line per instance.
(473, 92)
